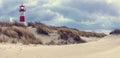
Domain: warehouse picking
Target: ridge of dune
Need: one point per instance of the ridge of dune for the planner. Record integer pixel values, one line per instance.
(39, 33)
(107, 47)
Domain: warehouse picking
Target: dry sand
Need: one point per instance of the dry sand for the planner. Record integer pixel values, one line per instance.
(108, 47)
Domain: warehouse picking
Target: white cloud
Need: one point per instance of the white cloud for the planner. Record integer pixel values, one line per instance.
(104, 21)
(32, 3)
(1, 3)
(112, 1)
(51, 3)
(61, 19)
(58, 20)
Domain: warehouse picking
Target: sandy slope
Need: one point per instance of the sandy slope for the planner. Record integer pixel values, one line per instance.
(108, 47)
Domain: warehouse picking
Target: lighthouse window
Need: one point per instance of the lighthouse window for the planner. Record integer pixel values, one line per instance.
(22, 7)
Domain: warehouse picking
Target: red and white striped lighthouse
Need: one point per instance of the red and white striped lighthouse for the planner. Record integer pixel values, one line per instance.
(22, 13)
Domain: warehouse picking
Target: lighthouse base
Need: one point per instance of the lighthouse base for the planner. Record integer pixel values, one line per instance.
(24, 23)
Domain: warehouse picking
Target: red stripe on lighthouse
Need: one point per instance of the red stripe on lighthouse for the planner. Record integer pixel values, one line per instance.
(22, 18)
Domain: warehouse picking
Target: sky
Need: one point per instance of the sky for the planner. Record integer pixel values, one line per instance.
(89, 15)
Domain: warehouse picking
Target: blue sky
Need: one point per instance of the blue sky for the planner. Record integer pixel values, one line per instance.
(90, 15)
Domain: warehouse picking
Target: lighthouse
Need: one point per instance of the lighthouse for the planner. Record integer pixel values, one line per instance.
(22, 13)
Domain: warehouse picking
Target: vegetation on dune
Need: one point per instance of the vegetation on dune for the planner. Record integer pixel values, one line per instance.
(114, 32)
(70, 35)
(20, 34)
(16, 32)
(41, 28)
(10, 24)
(91, 34)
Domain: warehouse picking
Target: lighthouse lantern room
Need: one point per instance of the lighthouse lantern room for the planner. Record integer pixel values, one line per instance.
(22, 13)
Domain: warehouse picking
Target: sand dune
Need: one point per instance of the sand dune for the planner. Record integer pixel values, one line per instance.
(107, 47)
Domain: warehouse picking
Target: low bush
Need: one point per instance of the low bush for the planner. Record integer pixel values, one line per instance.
(67, 34)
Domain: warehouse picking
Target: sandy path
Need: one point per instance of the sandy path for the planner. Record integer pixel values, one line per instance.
(109, 47)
